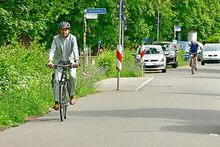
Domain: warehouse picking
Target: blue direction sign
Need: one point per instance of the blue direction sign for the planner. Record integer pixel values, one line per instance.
(146, 40)
(97, 11)
(177, 28)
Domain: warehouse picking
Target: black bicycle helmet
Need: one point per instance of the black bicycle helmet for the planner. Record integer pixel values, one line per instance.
(64, 25)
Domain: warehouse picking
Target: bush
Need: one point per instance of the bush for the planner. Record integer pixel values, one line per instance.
(181, 59)
(107, 61)
(24, 79)
(86, 84)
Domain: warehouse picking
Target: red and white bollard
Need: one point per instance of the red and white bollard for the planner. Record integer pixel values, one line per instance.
(119, 62)
(119, 57)
(142, 59)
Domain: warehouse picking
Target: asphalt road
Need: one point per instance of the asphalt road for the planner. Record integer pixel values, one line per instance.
(175, 109)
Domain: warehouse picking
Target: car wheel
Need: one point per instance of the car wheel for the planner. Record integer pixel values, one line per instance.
(203, 63)
(175, 65)
(164, 70)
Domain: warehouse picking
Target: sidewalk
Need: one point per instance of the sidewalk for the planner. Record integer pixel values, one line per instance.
(125, 84)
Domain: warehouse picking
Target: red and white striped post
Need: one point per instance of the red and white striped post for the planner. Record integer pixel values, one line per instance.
(142, 60)
(119, 57)
(119, 62)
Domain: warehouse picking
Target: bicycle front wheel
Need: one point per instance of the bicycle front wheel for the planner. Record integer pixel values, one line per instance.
(192, 66)
(62, 105)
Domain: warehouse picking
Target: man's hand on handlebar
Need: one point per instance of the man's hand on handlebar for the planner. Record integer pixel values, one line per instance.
(50, 64)
(76, 64)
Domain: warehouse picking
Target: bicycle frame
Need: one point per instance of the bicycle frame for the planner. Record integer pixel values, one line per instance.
(192, 63)
(63, 91)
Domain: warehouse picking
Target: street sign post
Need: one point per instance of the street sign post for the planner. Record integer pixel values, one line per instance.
(121, 7)
(176, 29)
(96, 11)
(90, 14)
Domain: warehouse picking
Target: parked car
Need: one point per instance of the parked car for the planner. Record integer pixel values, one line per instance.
(154, 58)
(210, 54)
(170, 51)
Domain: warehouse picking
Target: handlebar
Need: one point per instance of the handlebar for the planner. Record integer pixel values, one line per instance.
(63, 66)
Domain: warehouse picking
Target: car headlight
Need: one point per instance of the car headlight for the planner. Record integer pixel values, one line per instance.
(162, 59)
(138, 60)
(172, 53)
(166, 53)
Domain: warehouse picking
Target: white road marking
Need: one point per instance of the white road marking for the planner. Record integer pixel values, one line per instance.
(142, 85)
(211, 134)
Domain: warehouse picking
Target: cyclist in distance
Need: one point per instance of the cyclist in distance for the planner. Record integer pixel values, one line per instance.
(63, 51)
(194, 49)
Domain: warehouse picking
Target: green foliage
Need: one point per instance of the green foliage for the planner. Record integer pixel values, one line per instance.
(28, 17)
(86, 84)
(24, 81)
(41, 18)
(107, 61)
(181, 60)
(214, 39)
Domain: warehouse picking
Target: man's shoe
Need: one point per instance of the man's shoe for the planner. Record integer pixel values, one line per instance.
(56, 107)
(72, 100)
(195, 68)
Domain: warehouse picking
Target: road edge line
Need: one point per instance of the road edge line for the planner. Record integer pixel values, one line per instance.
(143, 84)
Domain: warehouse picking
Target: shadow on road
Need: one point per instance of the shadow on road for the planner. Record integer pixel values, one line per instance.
(200, 70)
(198, 128)
(215, 95)
(188, 120)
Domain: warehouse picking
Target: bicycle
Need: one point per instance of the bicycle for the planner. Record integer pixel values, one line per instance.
(193, 62)
(64, 90)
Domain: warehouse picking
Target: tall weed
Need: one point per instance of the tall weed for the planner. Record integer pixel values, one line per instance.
(129, 67)
(24, 82)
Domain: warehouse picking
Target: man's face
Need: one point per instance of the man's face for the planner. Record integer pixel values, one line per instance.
(64, 32)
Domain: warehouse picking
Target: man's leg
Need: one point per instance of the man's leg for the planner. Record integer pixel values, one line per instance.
(190, 60)
(196, 59)
(72, 73)
(57, 78)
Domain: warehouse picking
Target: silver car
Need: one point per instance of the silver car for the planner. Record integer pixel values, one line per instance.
(210, 54)
(154, 58)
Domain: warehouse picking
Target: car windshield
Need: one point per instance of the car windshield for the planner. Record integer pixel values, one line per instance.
(212, 48)
(183, 46)
(168, 47)
(153, 50)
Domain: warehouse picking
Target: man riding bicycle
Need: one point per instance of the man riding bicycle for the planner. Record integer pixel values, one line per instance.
(64, 50)
(194, 49)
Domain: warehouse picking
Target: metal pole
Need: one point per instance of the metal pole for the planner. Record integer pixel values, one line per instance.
(142, 70)
(119, 41)
(122, 41)
(84, 42)
(158, 26)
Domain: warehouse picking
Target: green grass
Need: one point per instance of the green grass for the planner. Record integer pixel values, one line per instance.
(24, 89)
(181, 60)
(25, 81)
